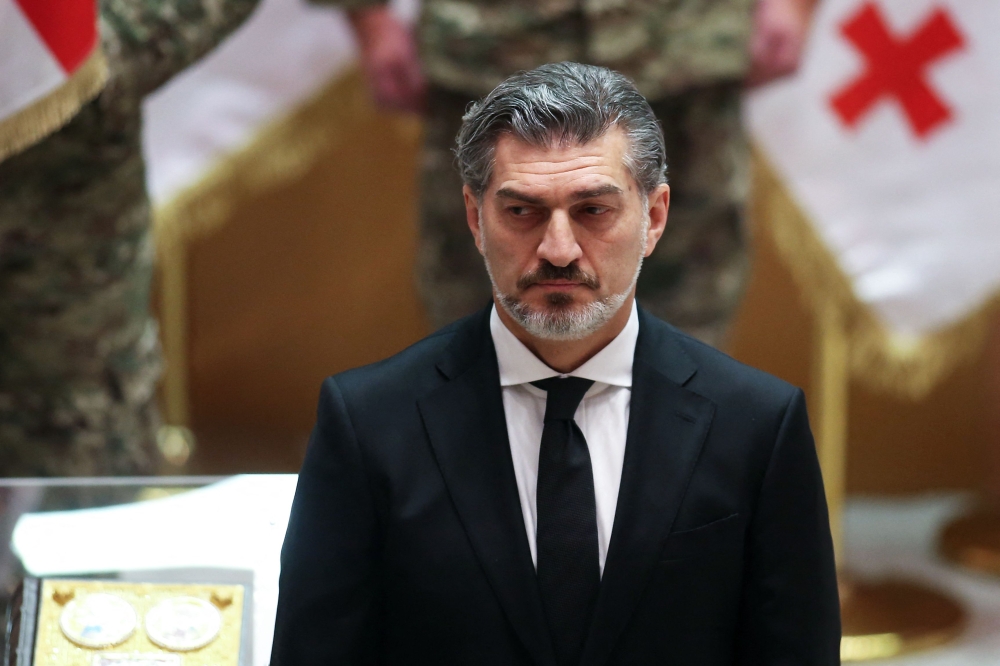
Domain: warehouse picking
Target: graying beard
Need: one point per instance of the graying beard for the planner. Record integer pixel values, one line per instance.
(567, 324)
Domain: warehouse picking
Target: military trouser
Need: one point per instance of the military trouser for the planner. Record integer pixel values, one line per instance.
(79, 357)
(696, 275)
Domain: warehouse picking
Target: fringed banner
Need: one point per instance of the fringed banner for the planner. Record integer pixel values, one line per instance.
(877, 167)
(280, 151)
(50, 65)
(904, 365)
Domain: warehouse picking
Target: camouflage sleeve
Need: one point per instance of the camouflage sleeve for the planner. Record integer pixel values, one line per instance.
(148, 41)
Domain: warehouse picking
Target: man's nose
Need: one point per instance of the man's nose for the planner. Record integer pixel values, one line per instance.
(559, 246)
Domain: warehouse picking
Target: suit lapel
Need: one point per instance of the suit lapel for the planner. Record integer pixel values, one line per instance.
(667, 426)
(465, 422)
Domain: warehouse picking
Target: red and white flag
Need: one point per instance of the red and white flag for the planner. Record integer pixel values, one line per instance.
(888, 143)
(50, 65)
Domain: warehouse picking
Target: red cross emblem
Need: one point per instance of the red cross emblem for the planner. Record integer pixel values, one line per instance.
(896, 68)
(69, 29)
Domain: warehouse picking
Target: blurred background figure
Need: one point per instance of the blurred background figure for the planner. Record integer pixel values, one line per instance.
(79, 356)
(691, 59)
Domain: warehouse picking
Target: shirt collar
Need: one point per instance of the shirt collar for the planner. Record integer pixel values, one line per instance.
(612, 365)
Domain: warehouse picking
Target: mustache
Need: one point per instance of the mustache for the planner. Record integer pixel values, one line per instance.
(548, 271)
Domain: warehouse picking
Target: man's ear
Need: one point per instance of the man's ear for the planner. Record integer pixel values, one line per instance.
(472, 216)
(659, 204)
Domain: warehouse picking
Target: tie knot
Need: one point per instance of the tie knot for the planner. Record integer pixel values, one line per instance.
(563, 396)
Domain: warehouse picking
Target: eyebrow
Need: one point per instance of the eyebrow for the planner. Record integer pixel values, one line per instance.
(603, 190)
(508, 193)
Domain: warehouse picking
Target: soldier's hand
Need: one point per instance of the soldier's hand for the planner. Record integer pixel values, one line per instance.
(389, 59)
(779, 34)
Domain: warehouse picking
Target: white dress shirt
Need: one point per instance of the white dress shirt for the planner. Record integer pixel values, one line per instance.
(602, 417)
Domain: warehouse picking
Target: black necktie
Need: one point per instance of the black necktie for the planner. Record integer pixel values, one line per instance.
(569, 573)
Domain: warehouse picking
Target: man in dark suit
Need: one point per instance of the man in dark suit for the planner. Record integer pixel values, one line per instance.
(561, 479)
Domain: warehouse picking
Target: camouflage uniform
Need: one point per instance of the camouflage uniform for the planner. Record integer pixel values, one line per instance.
(79, 357)
(688, 57)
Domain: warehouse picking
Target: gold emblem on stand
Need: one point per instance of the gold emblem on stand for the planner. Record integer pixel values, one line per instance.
(221, 599)
(62, 594)
(146, 624)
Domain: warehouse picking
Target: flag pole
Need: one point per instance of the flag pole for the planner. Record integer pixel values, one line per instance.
(833, 388)
(174, 438)
(881, 618)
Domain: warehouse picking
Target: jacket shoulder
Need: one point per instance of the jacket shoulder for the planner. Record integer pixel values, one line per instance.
(407, 370)
(411, 373)
(722, 379)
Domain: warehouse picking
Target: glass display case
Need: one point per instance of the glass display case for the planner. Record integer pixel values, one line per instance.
(142, 538)
(23, 496)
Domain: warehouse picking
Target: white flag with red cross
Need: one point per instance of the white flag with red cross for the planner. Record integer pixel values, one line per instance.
(887, 142)
(50, 65)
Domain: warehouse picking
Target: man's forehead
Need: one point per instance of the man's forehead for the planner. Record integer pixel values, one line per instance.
(611, 145)
(599, 160)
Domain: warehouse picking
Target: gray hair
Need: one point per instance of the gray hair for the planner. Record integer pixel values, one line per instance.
(561, 102)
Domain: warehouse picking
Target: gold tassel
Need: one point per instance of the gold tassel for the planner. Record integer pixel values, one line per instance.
(48, 114)
(909, 367)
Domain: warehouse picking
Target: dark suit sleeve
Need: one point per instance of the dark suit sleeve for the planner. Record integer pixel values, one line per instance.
(790, 611)
(328, 590)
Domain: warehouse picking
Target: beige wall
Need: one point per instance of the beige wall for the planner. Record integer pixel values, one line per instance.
(315, 277)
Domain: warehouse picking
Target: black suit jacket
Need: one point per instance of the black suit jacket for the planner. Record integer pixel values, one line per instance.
(406, 543)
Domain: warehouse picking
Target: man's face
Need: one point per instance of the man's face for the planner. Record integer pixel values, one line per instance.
(563, 230)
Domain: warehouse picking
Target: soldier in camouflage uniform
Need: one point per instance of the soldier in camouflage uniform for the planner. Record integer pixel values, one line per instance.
(79, 358)
(690, 58)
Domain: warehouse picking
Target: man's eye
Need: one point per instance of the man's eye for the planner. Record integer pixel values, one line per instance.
(519, 211)
(595, 210)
